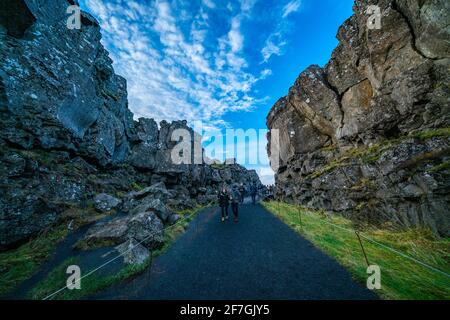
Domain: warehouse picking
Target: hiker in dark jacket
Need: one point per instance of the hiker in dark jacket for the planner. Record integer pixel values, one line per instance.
(235, 199)
(253, 193)
(242, 192)
(224, 201)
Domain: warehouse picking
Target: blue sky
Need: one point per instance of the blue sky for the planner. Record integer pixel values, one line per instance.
(222, 62)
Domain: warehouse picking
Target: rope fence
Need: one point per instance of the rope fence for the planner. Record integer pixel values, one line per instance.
(131, 247)
(360, 235)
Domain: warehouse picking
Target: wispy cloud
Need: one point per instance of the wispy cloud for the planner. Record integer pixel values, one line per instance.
(291, 7)
(209, 3)
(273, 46)
(276, 41)
(181, 63)
(265, 73)
(176, 64)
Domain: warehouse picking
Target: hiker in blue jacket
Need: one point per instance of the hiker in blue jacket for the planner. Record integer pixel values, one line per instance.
(224, 200)
(235, 199)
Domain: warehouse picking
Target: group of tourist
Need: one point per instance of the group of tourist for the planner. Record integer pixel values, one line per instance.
(235, 196)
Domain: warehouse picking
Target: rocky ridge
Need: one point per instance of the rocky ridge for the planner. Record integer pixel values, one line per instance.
(367, 136)
(69, 147)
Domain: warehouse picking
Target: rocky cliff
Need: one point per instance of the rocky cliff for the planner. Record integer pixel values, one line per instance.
(367, 136)
(67, 135)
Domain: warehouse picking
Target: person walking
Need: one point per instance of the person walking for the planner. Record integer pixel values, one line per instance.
(242, 192)
(224, 201)
(235, 199)
(253, 193)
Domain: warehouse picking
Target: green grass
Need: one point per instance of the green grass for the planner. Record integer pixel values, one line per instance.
(368, 155)
(19, 264)
(92, 284)
(400, 278)
(441, 167)
(89, 285)
(371, 154)
(428, 134)
(218, 166)
(137, 186)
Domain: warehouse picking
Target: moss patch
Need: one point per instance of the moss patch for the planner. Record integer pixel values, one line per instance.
(441, 167)
(218, 166)
(19, 264)
(429, 134)
(95, 244)
(370, 155)
(361, 184)
(137, 186)
(93, 284)
(89, 285)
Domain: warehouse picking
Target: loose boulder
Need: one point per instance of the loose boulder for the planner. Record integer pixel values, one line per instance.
(151, 204)
(104, 202)
(144, 227)
(133, 252)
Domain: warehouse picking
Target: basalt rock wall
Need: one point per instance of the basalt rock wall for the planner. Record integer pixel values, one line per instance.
(367, 135)
(67, 134)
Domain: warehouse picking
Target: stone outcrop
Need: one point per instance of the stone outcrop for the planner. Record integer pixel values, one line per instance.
(133, 252)
(104, 202)
(367, 136)
(61, 90)
(144, 227)
(67, 134)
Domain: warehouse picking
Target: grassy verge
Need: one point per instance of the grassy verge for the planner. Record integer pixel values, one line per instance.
(19, 264)
(92, 284)
(89, 285)
(400, 278)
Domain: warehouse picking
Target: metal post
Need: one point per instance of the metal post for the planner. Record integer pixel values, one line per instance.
(362, 248)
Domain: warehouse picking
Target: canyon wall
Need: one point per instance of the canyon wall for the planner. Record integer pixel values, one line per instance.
(67, 134)
(367, 136)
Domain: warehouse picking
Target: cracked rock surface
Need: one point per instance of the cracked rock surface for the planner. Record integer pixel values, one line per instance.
(68, 141)
(367, 136)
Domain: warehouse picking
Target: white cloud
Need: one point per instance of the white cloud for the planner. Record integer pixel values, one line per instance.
(276, 41)
(247, 5)
(273, 46)
(291, 7)
(209, 3)
(266, 175)
(174, 70)
(265, 73)
(235, 37)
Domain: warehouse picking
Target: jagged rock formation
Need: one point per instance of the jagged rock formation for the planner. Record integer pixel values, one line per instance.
(367, 136)
(67, 135)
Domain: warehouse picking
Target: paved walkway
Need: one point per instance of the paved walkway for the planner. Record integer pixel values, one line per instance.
(258, 258)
